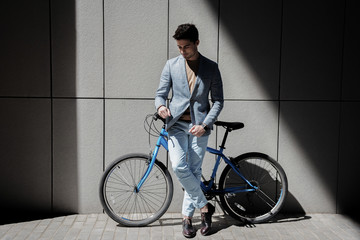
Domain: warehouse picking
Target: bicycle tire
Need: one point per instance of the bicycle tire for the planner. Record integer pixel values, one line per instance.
(254, 206)
(135, 208)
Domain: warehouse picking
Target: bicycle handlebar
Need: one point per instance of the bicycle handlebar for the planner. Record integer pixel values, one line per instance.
(156, 116)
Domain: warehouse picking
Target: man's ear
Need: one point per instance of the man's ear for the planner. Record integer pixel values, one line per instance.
(197, 42)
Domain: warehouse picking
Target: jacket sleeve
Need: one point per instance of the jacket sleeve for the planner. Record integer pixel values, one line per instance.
(164, 87)
(217, 98)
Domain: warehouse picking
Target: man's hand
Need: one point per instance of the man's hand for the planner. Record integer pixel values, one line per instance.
(197, 130)
(164, 112)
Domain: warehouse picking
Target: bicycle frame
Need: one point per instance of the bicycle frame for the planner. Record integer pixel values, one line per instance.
(162, 141)
(208, 188)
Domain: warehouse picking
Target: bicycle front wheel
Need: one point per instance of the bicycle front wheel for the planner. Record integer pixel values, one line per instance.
(259, 205)
(123, 202)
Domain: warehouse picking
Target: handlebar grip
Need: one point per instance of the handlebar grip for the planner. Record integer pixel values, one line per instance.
(157, 116)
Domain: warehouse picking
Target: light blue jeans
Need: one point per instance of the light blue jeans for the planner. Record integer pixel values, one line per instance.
(186, 154)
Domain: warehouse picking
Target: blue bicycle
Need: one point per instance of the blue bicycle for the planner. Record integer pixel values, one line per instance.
(137, 189)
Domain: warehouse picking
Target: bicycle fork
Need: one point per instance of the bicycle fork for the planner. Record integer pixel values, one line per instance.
(160, 142)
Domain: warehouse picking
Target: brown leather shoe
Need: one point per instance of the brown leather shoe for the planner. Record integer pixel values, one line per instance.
(206, 220)
(188, 229)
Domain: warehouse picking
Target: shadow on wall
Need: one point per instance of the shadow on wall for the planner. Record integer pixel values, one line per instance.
(259, 37)
(25, 165)
(256, 38)
(39, 176)
(65, 111)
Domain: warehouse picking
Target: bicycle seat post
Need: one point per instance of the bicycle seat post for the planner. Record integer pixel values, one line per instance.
(225, 137)
(229, 126)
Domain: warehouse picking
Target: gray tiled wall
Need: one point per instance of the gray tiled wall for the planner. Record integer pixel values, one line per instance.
(312, 50)
(348, 168)
(77, 48)
(78, 78)
(135, 47)
(77, 154)
(249, 49)
(25, 50)
(308, 151)
(206, 21)
(25, 166)
(351, 74)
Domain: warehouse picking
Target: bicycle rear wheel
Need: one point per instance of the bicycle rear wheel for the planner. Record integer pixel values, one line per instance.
(120, 199)
(254, 206)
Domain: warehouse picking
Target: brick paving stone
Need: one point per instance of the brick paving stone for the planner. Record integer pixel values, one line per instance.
(4, 229)
(331, 236)
(81, 218)
(144, 233)
(61, 232)
(26, 230)
(69, 220)
(238, 232)
(108, 235)
(36, 236)
(132, 233)
(155, 233)
(168, 232)
(51, 229)
(310, 236)
(226, 235)
(120, 233)
(273, 234)
(84, 233)
(13, 231)
(101, 227)
(72, 234)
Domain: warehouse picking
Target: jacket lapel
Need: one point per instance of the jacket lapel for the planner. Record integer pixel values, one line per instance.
(183, 75)
(198, 74)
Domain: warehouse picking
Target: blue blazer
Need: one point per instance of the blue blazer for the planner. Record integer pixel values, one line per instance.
(208, 81)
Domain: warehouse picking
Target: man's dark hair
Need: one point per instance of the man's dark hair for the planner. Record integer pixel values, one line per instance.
(187, 31)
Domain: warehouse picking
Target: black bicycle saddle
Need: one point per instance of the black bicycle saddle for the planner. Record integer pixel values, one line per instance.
(230, 125)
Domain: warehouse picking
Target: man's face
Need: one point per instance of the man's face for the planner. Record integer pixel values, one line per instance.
(188, 49)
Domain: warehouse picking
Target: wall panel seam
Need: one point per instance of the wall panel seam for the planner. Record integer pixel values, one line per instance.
(104, 85)
(51, 115)
(151, 99)
(279, 84)
(340, 108)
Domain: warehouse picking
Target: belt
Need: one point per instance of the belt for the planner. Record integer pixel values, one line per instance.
(187, 121)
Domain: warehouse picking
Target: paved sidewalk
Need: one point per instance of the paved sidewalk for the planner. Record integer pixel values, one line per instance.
(100, 226)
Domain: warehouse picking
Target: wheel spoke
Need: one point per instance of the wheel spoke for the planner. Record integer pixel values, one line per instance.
(269, 201)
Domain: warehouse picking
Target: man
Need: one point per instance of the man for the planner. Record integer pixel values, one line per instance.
(190, 119)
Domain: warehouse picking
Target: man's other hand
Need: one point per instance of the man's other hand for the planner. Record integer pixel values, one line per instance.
(197, 130)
